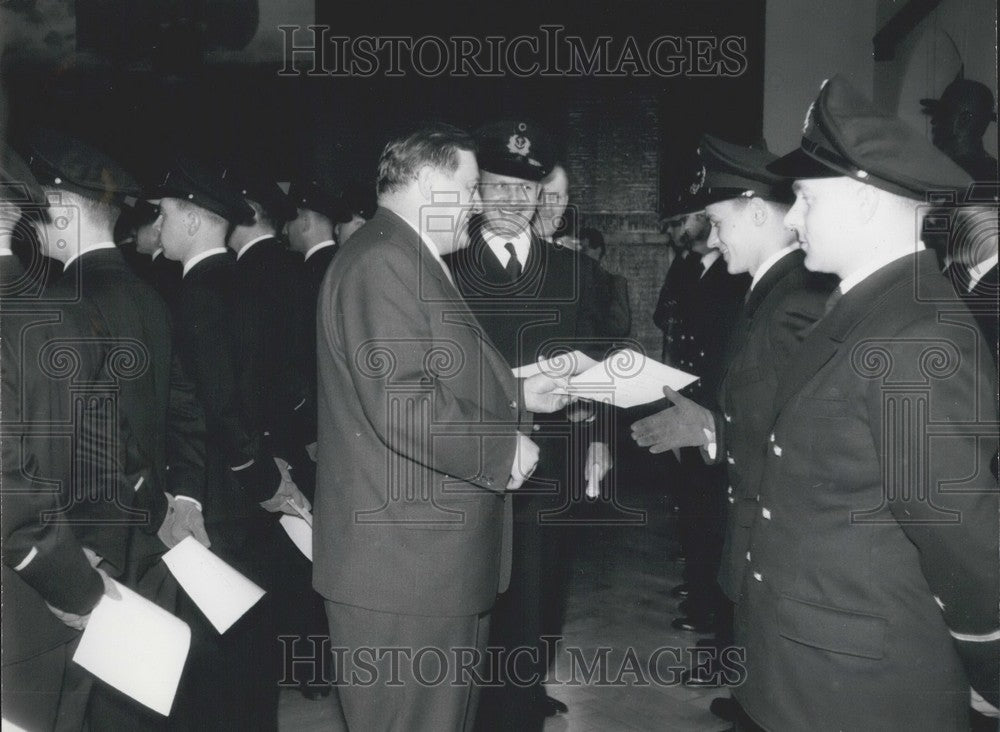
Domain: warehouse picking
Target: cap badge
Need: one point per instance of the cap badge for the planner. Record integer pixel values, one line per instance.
(519, 145)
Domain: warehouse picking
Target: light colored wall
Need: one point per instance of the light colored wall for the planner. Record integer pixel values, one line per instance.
(956, 32)
(807, 41)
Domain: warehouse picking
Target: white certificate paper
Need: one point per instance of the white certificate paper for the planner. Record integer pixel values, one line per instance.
(220, 592)
(300, 532)
(628, 378)
(564, 364)
(136, 647)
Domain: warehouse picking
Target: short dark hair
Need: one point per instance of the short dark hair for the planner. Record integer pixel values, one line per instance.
(436, 145)
(595, 240)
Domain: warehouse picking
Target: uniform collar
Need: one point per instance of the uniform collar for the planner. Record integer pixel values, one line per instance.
(156, 253)
(188, 265)
(498, 245)
(770, 262)
(246, 247)
(322, 245)
(93, 248)
(873, 266)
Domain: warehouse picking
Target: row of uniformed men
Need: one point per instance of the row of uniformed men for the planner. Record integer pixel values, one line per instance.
(207, 413)
(861, 543)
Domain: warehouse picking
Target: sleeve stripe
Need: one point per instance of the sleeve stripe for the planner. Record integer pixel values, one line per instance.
(27, 560)
(968, 638)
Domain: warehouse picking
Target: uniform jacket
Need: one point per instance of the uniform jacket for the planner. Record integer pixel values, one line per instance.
(417, 417)
(871, 585)
(216, 348)
(784, 302)
(42, 562)
(268, 294)
(162, 423)
(683, 273)
(707, 313)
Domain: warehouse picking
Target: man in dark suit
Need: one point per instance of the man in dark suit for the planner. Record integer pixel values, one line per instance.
(48, 583)
(745, 206)
(682, 231)
(870, 594)
(231, 681)
(419, 438)
(525, 292)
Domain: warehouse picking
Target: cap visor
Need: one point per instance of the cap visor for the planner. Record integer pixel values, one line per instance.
(799, 164)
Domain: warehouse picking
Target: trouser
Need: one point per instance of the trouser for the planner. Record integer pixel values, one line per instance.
(404, 672)
(231, 680)
(704, 513)
(47, 691)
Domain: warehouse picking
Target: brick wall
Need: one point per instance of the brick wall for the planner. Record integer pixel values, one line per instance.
(613, 144)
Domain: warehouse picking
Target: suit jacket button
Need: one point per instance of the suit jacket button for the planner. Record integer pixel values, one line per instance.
(536, 427)
(758, 576)
(513, 405)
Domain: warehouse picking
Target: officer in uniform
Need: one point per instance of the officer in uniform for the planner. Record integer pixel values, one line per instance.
(232, 679)
(704, 317)
(869, 598)
(525, 295)
(49, 586)
(162, 442)
(745, 205)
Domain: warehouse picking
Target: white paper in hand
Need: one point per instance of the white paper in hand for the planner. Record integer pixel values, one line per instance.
(136, 647)
(300, 532)
(563, 364)
(220, 592)
(628, 378)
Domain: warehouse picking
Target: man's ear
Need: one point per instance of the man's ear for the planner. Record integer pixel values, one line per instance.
(759, 211)
(867, 199)
(193, 219)
(425, 181)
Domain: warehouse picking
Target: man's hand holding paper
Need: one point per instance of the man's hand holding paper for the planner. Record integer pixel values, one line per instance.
(682, 425)
(288, 493)
(545, 394)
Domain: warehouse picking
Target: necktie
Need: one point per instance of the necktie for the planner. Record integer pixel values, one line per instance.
(833, 300)
(513, 265)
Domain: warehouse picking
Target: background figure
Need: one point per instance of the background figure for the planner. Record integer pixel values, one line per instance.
(606, 293)
(706, 313)
(958, 122)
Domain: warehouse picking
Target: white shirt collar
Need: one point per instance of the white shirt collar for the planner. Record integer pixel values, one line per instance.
(204, 255)
(978, 271)
(156, 252)
(250, 243)
(873, 266)
(93, 248)
(322, 245)
(498, 245)
(431, 247)
(770, 262)
(5, 252)
(708, 260)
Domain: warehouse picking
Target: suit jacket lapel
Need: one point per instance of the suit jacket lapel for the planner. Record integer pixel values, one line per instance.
(428, 265)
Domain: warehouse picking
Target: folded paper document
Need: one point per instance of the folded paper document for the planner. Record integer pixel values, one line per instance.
(628, 378)
(136, 647)
(220, 592)
(300, 532)
(563, 364)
